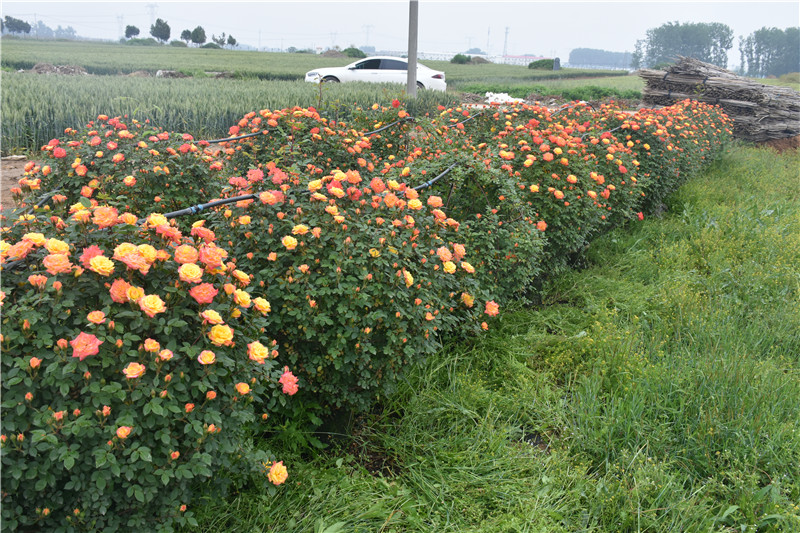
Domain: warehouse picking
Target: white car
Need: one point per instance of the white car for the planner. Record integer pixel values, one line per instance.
(379, 69)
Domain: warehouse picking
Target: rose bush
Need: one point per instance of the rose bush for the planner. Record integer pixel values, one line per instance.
(138, 354)
(135, 365)
(364, 277)
(127, 164)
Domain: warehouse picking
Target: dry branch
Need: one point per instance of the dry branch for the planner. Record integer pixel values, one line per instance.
(760, 112)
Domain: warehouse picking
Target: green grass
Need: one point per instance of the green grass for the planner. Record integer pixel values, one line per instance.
(655, 389)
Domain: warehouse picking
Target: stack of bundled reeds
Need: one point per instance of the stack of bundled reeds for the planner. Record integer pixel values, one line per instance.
(760, 112)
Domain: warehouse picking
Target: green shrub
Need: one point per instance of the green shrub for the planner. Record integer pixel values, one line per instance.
(460, 59)
(354, 52)
(178, 44)
(542, 64)
(126, 377)
(213, 46)
(149, 41)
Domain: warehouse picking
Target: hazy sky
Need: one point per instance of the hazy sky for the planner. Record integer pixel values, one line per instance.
(523, 27)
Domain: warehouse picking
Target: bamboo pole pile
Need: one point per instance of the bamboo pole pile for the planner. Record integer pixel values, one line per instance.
(759, 112)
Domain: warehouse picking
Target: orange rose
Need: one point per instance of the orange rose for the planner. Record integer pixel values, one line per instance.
(203, 293)
(492, 308)
(57, 263)
(277, 473)
(85, 345)
(133, 370)
(242, 388)
(123, 432)
(186, 254)
(151, 345)
(105, 217)
(96, 317)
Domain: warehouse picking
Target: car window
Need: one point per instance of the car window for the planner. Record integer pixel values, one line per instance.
(369, 64)
(393, 64)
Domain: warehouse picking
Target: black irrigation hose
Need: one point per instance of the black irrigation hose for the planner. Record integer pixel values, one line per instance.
(199, 207)
(437, 178)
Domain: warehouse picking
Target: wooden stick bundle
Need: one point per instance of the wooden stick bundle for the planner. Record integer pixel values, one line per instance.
(760, 112)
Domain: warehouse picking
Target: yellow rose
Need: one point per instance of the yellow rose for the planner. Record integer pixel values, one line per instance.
(242, 298)
(151, 305)
(449, 267)
(289, 242)
(221, 335)
(262, 305)
(206, 357)
(102, 265)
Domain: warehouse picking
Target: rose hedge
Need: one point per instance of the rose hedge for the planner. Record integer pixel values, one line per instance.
(359, 274)
(135, 364)
(364, 277)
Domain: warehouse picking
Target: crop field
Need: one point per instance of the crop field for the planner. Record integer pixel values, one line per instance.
(39, 108)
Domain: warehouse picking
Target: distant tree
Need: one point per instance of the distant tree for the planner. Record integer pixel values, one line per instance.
(460, 59)
(770, 52)
(475, 51)
(707, 42)
(369, 50)
(131, 31)
(160, 30)
(637, 57)
(198, 36)
(43, 31)
(13, 25)
(66, 33)
(219, 41)
(354, 52)
(292, 49)
(231, 41)
(186, 35)
(599, 58)
(211, 45)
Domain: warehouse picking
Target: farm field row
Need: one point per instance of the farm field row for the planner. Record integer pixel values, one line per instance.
(114, 58)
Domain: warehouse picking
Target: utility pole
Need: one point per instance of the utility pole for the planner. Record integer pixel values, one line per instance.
(488, 35)
(366, 28)
(413, 23)
(121, 22)
(151, 8)
(505, 44)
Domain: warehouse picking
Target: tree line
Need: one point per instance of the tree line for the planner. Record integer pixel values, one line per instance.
(160, 30)
(765, 52)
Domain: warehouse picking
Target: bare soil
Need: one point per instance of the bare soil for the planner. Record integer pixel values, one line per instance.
(12, 171)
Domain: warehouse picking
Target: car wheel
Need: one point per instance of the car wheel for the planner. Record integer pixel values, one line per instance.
(420, 86)
(330, 79)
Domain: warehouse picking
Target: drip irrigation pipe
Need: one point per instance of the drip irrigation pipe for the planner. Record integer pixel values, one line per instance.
(437, 178)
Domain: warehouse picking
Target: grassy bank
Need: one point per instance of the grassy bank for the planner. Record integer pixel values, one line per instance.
(656, 389)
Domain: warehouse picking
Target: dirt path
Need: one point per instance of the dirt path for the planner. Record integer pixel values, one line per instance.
(12, 170)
